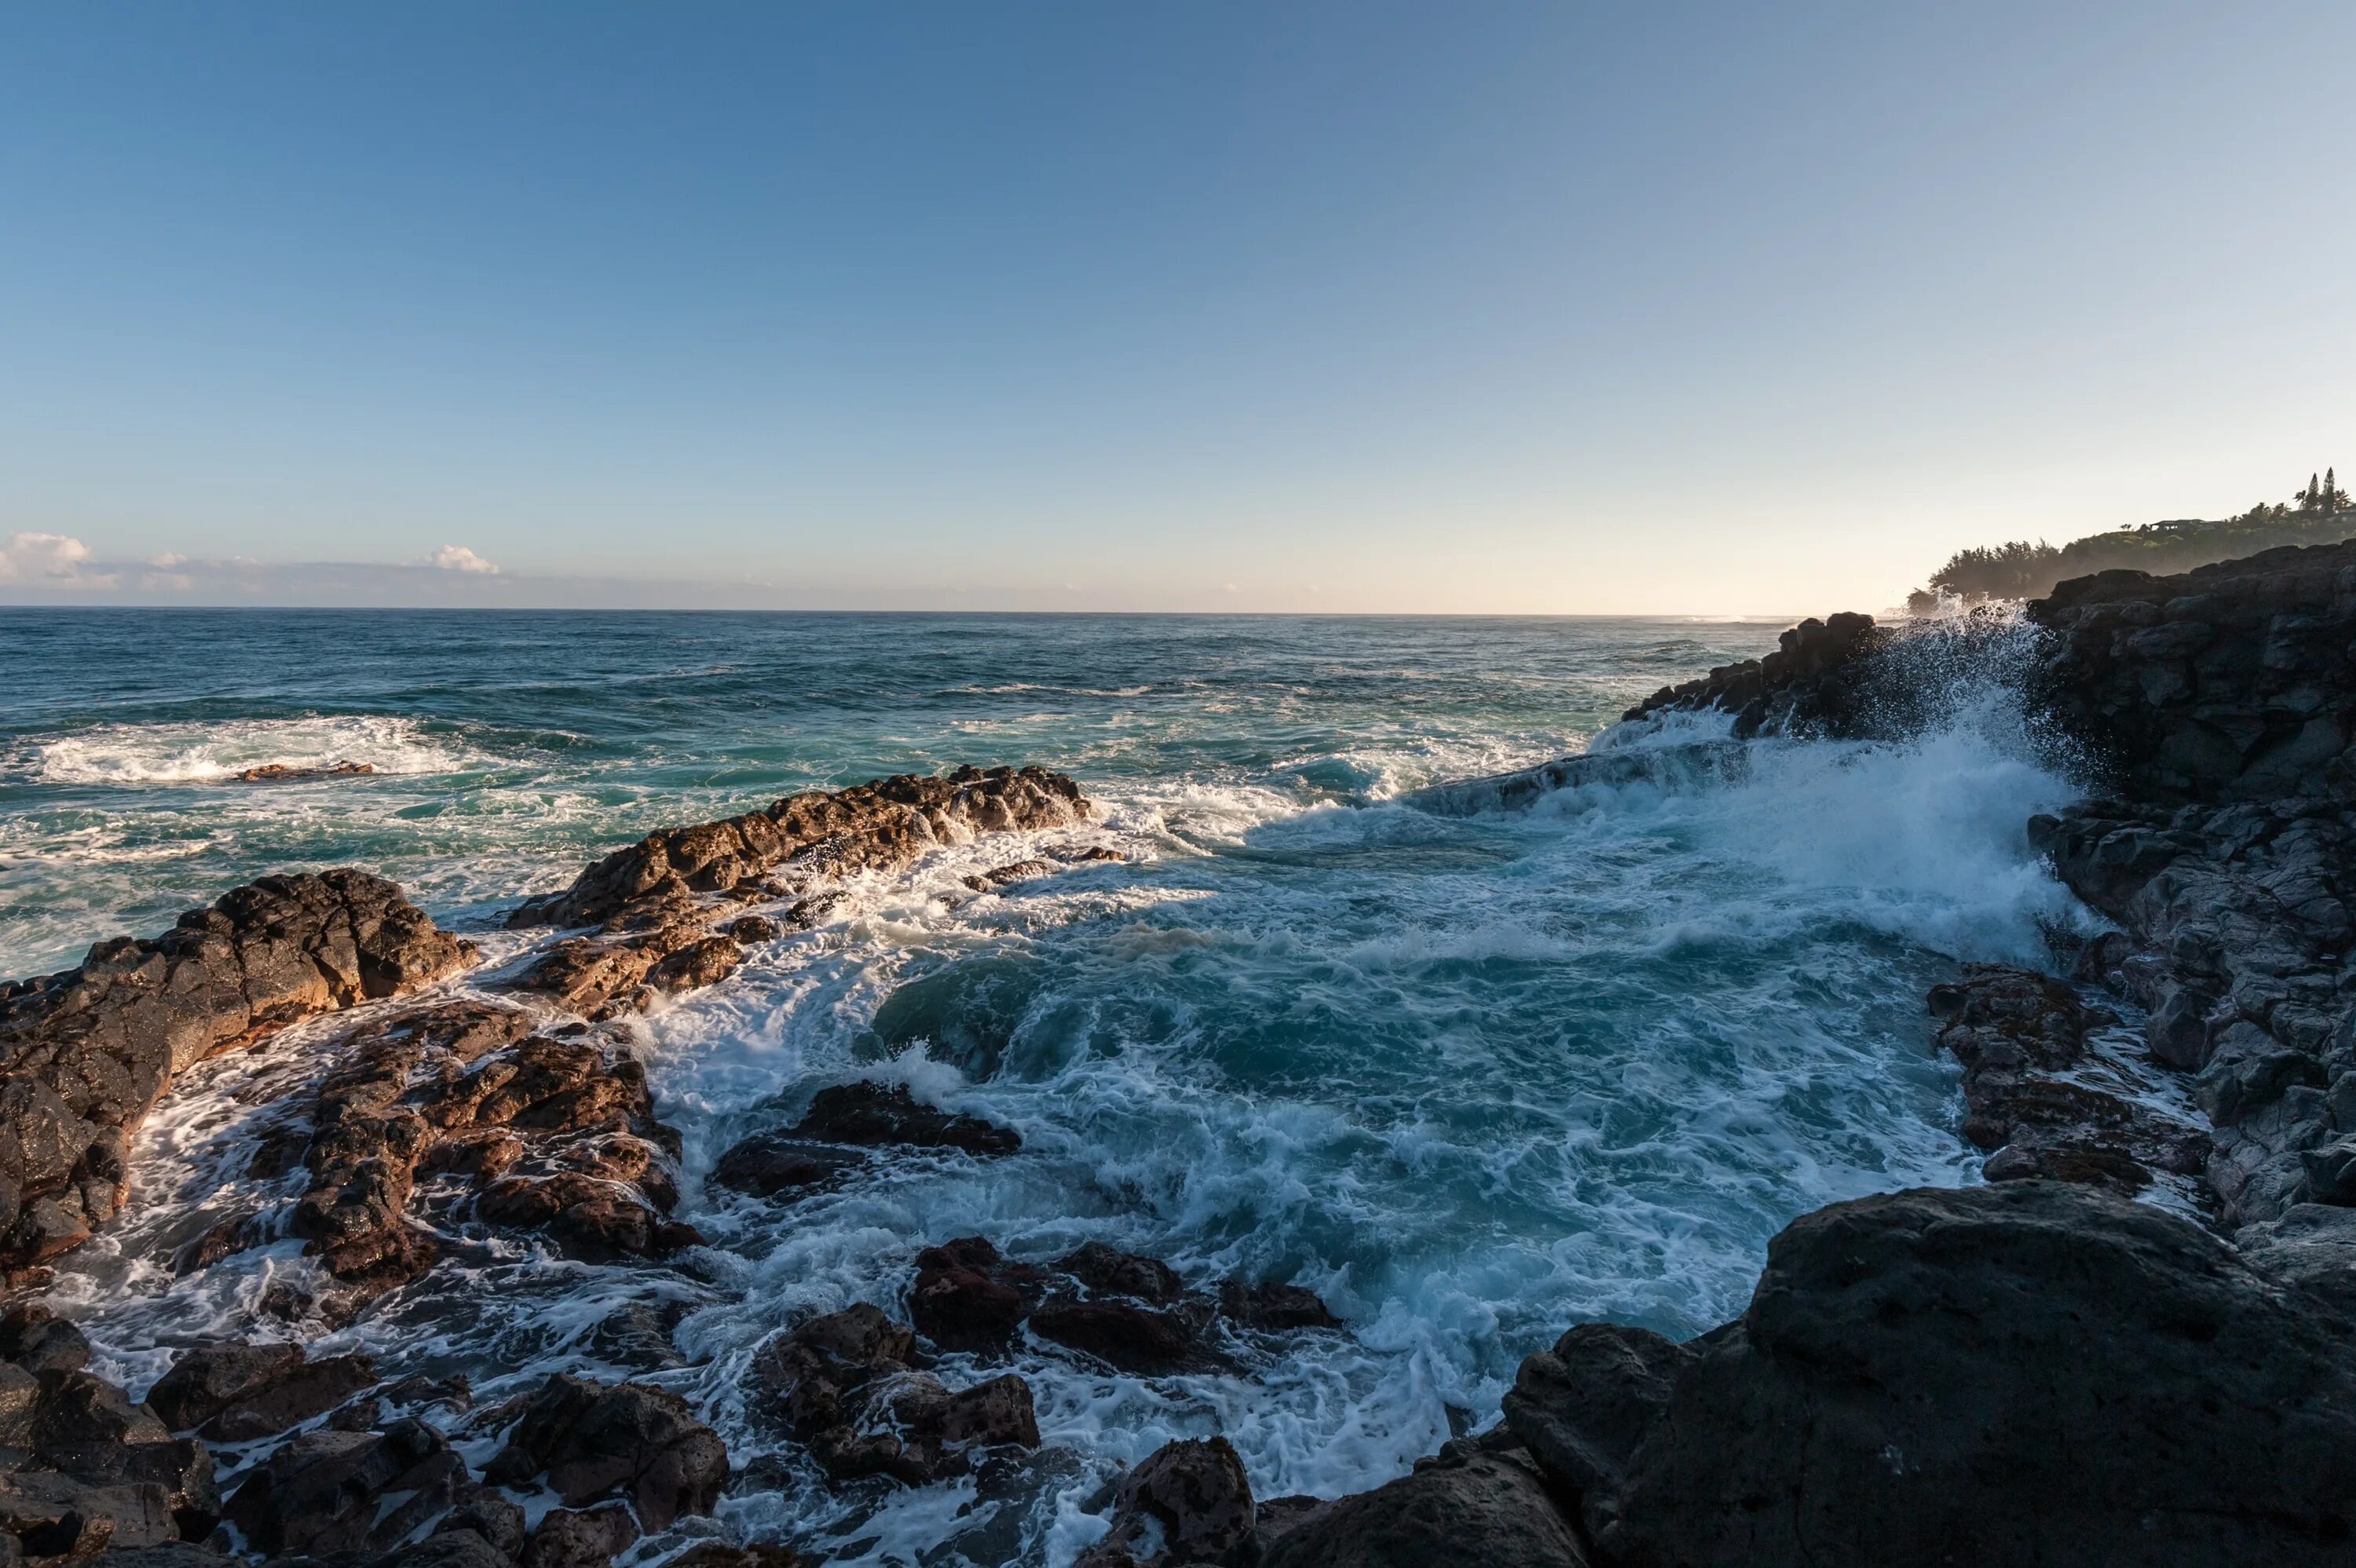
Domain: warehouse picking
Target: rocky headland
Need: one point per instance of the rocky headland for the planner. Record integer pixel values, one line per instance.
(2038, 1369)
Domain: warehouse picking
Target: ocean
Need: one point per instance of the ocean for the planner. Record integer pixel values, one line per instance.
(1473, 1075)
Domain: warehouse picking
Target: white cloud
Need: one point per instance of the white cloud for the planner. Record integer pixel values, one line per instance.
(458, 557)
(48, 560)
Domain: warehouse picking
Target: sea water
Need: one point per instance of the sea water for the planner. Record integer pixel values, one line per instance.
(1472, 1074)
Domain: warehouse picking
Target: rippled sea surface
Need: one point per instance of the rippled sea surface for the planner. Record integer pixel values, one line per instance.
(1473, 1078)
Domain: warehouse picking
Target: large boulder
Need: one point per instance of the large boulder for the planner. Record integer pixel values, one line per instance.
(86, 1053)
(1466, 1507)
(332, 1491)
(630, 1441)
(233, 1393)
(2030, 1372)
(1188, 1502)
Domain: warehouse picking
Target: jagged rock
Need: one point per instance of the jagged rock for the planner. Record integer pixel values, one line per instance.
(874, 1116)
(629, 1441)
(20, 1395)
(1807, 685)
(39, 1341)
(1126, 1336)
(2028, 1373)
(494, 1520)
(570, 1537)
(1274, 1307)
(233, 1393)
(1108, 1271)
(59, 1517)
(1186, 1502)
(348, 1491)
(86, 1053)
(755, 1554)
(873, 826)
(1584, 1408)
(968, 1297)
(282, 773)
(2014, 1031)
(78, 1408)
(2312, 1246)
(1467, 1506)
(1001, 876)
(808, 1376)
(774, 1165)
(182, 1469)
(592, 1220)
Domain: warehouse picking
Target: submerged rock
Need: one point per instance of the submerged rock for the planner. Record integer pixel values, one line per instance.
(873, 1116)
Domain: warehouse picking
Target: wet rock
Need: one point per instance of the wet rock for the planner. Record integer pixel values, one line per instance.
(774, 1165)
(699, 964)
(1126, 1336)
(2014, 1032)
(1186, 1502)
(183, 1469)
(56, 1516)
(282, 773)
(1108, 1271)
(1467, 1506)
(1001, 876)
(39, 1341)
(570, 1538)
(968, 1297)
(490, 1517)
(876, 826)
(1808, 686)
(637, 1336)
(1583, 1409)
(348, 1491)
(808, 1377)
(234, 1393)
(873, 1116)
(2024, 1372)
(751, 928)
(755, 1554)
(20, 1395)
(630, 1441)
(85, 1054)
(78, 1408)
(588, 1220)
(1274, 1307)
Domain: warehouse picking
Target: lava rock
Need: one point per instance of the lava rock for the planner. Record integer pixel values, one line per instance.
(348, 1491)
(629, 1441)
(2025, 1372)
(233, 1393)
(874, 1116)
(1186, 1502)
(774, 1164)
(1467, 1506)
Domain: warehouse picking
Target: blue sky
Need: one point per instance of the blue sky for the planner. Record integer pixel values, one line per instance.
(1716, 310)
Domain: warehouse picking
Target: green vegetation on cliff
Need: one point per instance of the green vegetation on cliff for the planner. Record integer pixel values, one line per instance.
(2320, 514)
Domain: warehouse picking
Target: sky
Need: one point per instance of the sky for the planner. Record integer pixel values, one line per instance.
(1450, 307)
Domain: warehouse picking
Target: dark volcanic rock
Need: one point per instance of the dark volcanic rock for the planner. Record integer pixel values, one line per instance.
(1584, 1408)
(629, 1441)
(570, 1538)
(775, 1165)
(233, 1393)
(85, 1054)
(877, 826)
(2030, 1372)
(968, 1297)
(1466, 1507)
(1276, 1307)
(2015, 1031)
(875, 1115)
(59, 1517)
(348, 1491)
(1806, 687)
(1186, 1502)
(183, 1470)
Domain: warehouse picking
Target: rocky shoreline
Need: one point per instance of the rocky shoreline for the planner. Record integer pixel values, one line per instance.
(2037, 1370)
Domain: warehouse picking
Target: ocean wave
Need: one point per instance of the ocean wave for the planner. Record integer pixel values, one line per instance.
(202, 752)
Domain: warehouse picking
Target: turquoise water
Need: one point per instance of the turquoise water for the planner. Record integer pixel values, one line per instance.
(1473, 1078)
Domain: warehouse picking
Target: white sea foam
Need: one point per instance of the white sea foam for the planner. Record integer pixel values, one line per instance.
(210, 753)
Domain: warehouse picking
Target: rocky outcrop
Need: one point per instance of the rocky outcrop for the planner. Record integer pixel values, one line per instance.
(1187, 1502)
(873, 826)
(2022, 1039)
(1807, 685)
(630, 1441)
(85, 1054)
(2220, 704)
(845, 1385)
(1131, 1313)
(235, 1393)
(1464, 1505)
(2028, 1373)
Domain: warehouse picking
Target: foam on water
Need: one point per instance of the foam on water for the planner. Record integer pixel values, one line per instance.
(1473, 1077)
